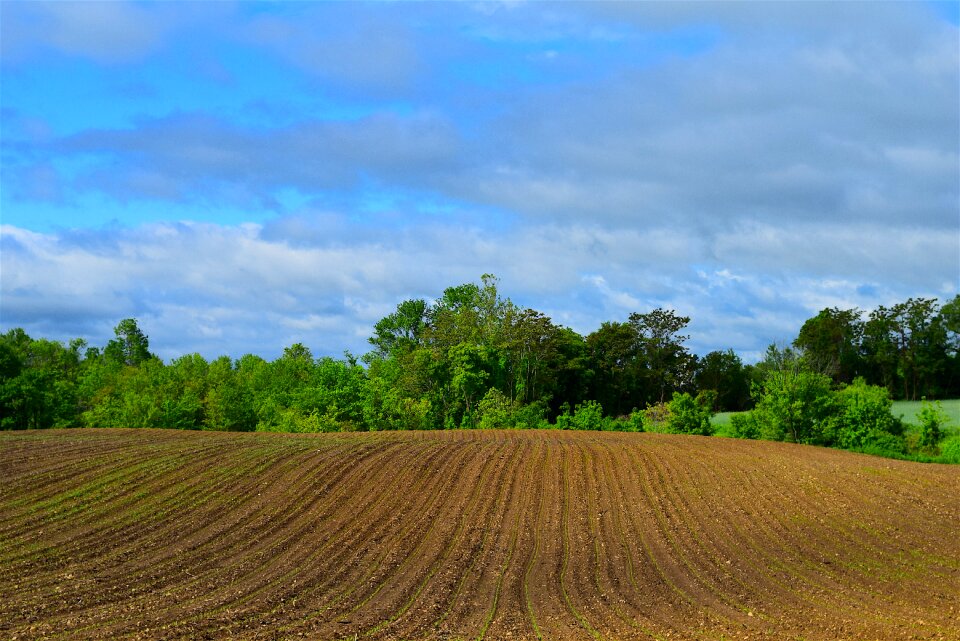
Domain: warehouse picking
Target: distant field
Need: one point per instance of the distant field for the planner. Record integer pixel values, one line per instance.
(907, 409)
(156, 534)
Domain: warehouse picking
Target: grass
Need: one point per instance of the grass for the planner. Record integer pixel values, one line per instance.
(908, 410)
(721, 423)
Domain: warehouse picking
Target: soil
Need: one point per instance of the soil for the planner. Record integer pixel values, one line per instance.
(162, 534)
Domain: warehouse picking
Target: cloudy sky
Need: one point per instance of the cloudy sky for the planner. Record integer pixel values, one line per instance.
(240, 177)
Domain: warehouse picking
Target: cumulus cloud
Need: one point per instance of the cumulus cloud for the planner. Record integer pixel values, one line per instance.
(234, 289)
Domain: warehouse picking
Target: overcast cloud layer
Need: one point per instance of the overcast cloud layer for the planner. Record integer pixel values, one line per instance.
(242, 177)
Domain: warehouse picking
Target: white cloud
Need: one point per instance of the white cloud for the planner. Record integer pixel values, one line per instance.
(232, 289)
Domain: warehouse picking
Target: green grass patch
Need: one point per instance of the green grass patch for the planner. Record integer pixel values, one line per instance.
(909, 410)
(721, 425)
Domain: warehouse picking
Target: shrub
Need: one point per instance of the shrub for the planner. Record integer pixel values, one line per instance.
(413, 414)
(932, 419)
(495, 410)
(656, 418)
(794, 405)
(950, 449)
(744, 425)
(293, 420)
(689, 415)
(531, 416)
(586, 416)
(633, 423)
(862, 415)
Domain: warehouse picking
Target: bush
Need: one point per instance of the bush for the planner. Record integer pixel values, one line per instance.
(586, 416)
(950, 450)
(689, 415)
(495, 410)
(794, 405)
(862, 416)
(292, 420)
(932, 419)
(632, 423)
(744, 425)
(531, 416)
(656, 418)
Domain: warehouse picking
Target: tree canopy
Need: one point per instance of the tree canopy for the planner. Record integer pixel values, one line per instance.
(472, 358)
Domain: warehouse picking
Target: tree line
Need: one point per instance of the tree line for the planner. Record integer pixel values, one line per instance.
(474, 359)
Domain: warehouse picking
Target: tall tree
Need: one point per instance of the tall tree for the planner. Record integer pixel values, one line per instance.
(131, 346)
(402, 330)
(830, 342)
(668, 363)
(613, 357)
(724, 373)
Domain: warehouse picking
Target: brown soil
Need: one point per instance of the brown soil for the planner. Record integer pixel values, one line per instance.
(155, 534)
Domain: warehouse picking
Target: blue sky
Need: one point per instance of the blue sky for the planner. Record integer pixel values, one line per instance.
(242, 176)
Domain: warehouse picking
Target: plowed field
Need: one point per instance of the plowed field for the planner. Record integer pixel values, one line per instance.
(159, 534)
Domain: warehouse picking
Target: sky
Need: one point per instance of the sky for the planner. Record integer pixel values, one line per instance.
(240, 177)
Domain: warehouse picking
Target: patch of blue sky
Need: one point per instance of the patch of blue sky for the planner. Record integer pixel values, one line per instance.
(263, 91)
(495, 68)
(95, 210)
(292, 200)
(416, 206)
(949, 10)
(868, 290)
(73, 95)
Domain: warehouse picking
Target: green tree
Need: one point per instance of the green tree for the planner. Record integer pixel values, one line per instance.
(229, 402)
(401, 331)
(668, 364)
(469, 375)
(950, 321)
(932, 420)
(38, 382)
(830, 343)
(863, 417)
(724, 373)
(689, 415)
(131, 346)
(792, 402)
(613, 358)
(907, 348)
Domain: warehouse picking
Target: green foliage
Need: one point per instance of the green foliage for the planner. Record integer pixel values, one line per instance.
(744, 425)
(130, 347)
(950, 449)
(863, 416)
(657, 417)
(293, 420)
(586, 416)
(473, 359)
(724, 373)
(689, 415)
(633, 422)
(495, 410)
(668, 365)
(830, 342)
(793, 403)
(932, 420)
